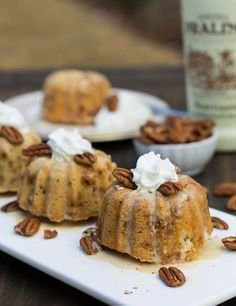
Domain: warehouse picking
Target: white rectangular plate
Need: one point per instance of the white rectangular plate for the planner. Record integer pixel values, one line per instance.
(209, 282)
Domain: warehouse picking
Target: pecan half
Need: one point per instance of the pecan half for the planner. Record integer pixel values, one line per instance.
(151, 123)
(205, 123)
(158, 134)
(90, 245)
(12, 206)
(41, 149)
(124, 176)
(169, 188)
(219, 223)
(172, 276)
(175, 123)
(27, 227)
(49, 234)
(112, 103)
(230, 243)
(144, 139)
(196, 133)
(85, 159)
(11, 134)
(225, 189)
(231, 204)
(176, 137)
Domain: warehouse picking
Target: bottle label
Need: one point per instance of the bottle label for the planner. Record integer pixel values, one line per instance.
(209, 32)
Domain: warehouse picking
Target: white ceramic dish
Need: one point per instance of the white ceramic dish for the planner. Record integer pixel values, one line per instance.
(134, 109)
(209, 282)
(191, 157)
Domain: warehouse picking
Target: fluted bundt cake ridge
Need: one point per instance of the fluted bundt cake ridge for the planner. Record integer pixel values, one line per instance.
(74, 96)
(68, 182)
(155, 226)
(15, 135)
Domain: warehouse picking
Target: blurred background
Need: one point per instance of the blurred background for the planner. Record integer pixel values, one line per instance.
(89, 33)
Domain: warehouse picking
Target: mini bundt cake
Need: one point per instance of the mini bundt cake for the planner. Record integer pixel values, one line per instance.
(15, 135)
(74, 96)
(154, 214)
(66, 178)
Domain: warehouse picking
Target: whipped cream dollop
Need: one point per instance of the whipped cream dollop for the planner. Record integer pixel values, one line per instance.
(151, 172)
(66, 144)
(10, 116)
(124, 116)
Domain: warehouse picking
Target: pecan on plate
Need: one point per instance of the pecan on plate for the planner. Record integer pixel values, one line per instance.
(172, 276)
(11, 134)
(230, 243)
(225, 189)
(49, 234)
(90, 245)
(41, 149)
(27, 227)
(12, 206)
(231, 204)
(85, 159)
(219, 223)
(112, 103)
(169, 188)
(124, 176)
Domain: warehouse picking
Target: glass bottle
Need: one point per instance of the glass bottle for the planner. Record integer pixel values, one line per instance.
(209, 37)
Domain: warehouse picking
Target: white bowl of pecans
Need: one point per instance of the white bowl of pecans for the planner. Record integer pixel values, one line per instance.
(187, 143)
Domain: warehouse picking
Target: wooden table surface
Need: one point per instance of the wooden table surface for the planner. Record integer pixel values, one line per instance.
(22, 285)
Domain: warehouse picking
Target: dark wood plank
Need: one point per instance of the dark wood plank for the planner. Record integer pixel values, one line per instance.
(153, 81)
(23, 285)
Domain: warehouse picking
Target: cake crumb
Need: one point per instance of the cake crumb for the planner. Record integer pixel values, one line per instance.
(50, 234)
(128, 292)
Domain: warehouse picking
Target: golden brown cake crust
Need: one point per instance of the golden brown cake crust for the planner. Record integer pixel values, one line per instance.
(155, 228)
(65, 191)
(74, 96)
(12, 162)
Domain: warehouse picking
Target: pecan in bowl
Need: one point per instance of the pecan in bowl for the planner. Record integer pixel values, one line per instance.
(187, 143)
(177, 130)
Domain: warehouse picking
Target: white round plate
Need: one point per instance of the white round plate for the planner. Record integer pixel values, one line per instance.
(133, 110)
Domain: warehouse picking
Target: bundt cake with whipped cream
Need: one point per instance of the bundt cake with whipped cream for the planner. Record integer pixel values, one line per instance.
(154, 213)
(15, 135)
(65, 179)
(74, 96)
